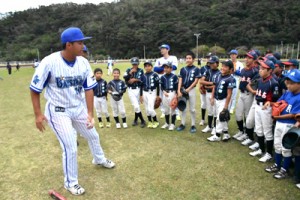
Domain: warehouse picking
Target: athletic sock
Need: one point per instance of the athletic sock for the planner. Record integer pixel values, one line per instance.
(107, 119)
(270, 145)
(99, 119)
(249, 132)
(210, 120)
(149, 118)
(278, 159)
(117, 119)
(135, 116)
(240, 125)
(203, 111)
(154, 118)
(173, 119)
(215, 122)
(167, 117)
(297, 168)
(140, 115)
(124, 119)
(287, 162)
(261, 142)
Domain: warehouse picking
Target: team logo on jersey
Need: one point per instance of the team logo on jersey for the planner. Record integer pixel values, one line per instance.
(69, 81)
(36, 79)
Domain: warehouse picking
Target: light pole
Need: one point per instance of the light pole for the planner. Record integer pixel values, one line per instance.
(197, 37)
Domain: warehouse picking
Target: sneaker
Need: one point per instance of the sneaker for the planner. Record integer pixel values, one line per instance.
(256, 153)
(134, 123)
(254, 146)
(265, 158)
(226, 137)
(150, 125)
(101, 125)
(125, 125)
(118, 125)
(231, 111)
(214, 138)
(75, 190)
(143, 124)
(298, 185)
(213, 132)
(107, 164)
(108, 125)
(171, 127)
(202, 122)
(272, 169)
(178, 117)
(247, 142)
(238, 134)
(162, 116)
(193, 129)
(206, 129)
(281, 174)
(155, 124)
(242, 137)
(180, 128)
(165, 126)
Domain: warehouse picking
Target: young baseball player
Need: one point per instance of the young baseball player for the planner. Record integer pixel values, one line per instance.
(207, 81)
(169, 86)
(148, 93)
(291, 64)
(65, 75)
(119, 86)
(221, 96)
(100, 98)
(188, 79)
(159, 69)
(110, 64)
(246, 98)
(284, 122)
(267, 92)
(132, 78)
(238, 66)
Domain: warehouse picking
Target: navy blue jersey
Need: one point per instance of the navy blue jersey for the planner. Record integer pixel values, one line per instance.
(293, 107)
(209, 74)
(222, 83)
(138, 74)
(101, 89)
(267, 90)
(119, 85)
(204, 69)
(246, 76)
(169, 82)
(150, 81)
(189, 75)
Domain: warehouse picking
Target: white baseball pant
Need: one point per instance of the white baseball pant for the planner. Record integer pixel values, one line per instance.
(149, 100)
(100, 105)
(63, 124)
(220, 126)
(134, 96)
(166, 104)
(263, 122)
(211, 110)
(250, 120)
(234, 93)
(161, 95)
(118, 107)
(109, 70)
(280, 130)
(192, 103)
(243, 106)
(203, 100)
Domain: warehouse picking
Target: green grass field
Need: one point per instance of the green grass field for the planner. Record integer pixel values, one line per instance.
(151, 164)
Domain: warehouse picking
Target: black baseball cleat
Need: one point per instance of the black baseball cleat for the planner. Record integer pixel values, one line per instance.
(134, 123)
(143, 124)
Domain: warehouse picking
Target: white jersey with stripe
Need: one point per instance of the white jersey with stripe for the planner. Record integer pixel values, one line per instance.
(172, 59)
(64, 84)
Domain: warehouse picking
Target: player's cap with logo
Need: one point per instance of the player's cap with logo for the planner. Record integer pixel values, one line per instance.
(234, 51)
(213, 59)
(293, 75)
(252, 54)
(85, 49)
(166, 46)
(277, 55)
(292, 62)
(228, 63)
(272, 58)
(135, 61)
(72, 34)
(268, 64)
(168, 64)
(148, 62)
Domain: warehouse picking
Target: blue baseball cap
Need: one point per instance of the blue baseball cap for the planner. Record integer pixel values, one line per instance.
(213, 59)
(279, 64)
(85, 49)
(277, 55)
(293, 75)
(252, 54)
(266, 64)
(234, 51)
(72, 34)
(166, 46)
(272, 58)
(293, 62)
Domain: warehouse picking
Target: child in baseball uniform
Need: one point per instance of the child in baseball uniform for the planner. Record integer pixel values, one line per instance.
(284, 122)
(169, 85)
(267, 92)
(148, 93)
(132, 78)
(221, 96)
(100, 98)
(188, 79)
(118, 108)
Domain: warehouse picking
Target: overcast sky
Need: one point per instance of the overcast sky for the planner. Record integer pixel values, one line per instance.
(20, 5)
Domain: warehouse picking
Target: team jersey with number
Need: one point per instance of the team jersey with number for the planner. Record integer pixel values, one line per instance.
(267, 90)
(222, 83)
(293, 107)
(189, 75)
(246, 77)
(159, 62)
(64, 83)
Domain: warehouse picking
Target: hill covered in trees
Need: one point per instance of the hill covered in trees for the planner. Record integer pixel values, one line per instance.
(122, 29)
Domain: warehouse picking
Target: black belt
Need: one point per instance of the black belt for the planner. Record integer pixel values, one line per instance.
(220, 99)
(134, 87)
(244, 91)
(149, 90)
(170, 90)
(260, 102)
(100, 96)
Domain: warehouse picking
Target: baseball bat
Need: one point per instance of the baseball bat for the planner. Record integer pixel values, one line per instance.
(55, 195)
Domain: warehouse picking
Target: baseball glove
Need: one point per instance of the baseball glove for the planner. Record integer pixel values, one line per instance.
(174, 103)
(224, 115)
(157, 102)
(254, 84)
(116, 96)
(184, 93)
(278, 107)
(181, 103)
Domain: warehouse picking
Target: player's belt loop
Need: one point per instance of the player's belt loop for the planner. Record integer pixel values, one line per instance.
(260, 103)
